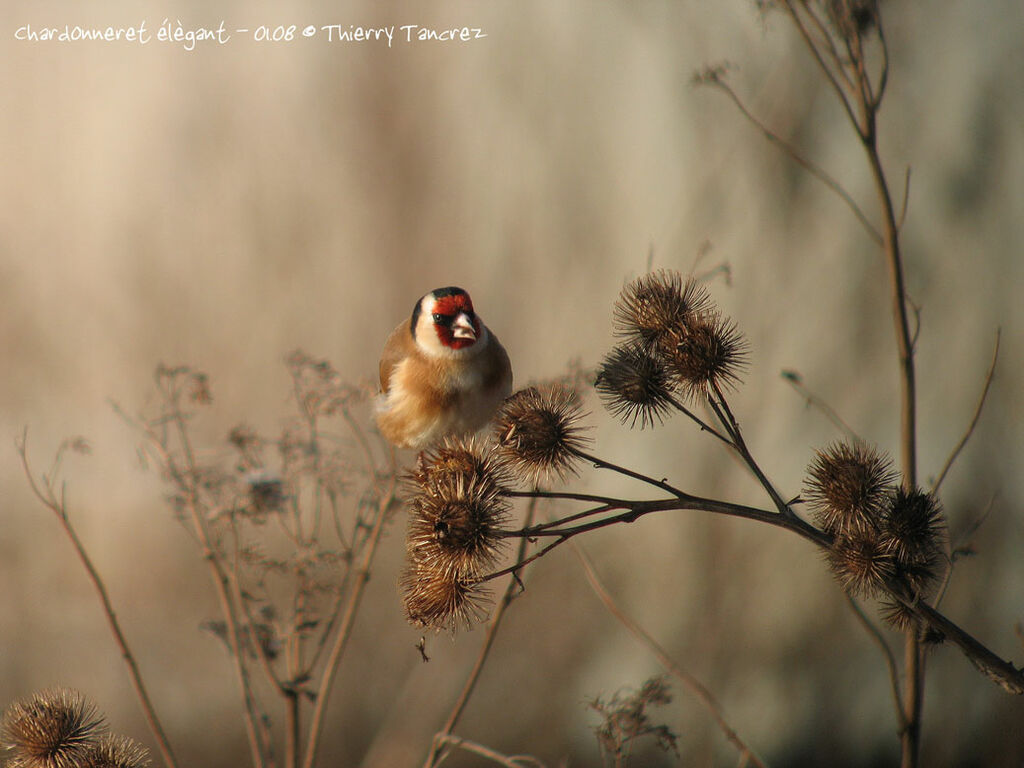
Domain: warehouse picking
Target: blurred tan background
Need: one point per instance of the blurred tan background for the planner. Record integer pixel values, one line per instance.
(223, 206)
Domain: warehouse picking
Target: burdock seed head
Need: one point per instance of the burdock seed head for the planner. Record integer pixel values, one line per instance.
(538, 432)
(53, 729)
(455, 457)
(914, 523)
(441, 598)
(456, 525)
(861, 563)
(898, 616)
(708, 352)
(657, 305)
(913, 531)
(635, 385)
(116, 752)
(848, 486)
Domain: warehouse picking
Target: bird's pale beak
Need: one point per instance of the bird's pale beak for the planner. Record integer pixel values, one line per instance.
(463, 328)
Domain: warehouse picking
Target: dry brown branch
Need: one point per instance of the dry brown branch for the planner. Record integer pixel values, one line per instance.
(48, 496)
(344, 631)
(509, 761)
(883, 646)
(444, 736)
(815, 170)
(699, 691)
(974, 419)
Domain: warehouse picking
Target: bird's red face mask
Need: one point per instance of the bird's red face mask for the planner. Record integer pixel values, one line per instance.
(456, 324)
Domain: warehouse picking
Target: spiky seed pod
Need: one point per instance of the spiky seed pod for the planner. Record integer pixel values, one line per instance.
(538, 433)
(915, 524)
(441, 598)
(635, 386)
(898, 616)
(657, 305)
(53, 729)
(708, 352)
(861, 563)
(456, 525)
(116, 752)
(848, 486)
(458, 456)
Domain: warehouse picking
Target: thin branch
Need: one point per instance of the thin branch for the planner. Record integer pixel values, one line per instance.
(815, 170)
(705, 427)
(699, 691)
(961, 547)
(808, 40)
(511, 590)
(721, 407)
(187, 482)
(890, 660)
(815, 401)
(362, 576)
(509, 761)
(974, 420)
(48, 498)
(906, 200)
(1002, 673)
(602, 464)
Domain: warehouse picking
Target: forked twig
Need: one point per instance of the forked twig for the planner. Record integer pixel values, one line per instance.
(815, 170)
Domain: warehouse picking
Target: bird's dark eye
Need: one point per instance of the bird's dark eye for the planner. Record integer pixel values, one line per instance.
(440, 319)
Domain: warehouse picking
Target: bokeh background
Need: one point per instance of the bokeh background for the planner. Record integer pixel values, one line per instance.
(224, 206)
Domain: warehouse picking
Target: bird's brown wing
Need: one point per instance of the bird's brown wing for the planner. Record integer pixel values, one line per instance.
(397, 347)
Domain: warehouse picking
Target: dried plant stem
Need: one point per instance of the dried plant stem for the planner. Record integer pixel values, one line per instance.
(812, 168)
(49, 499)
(724, 413)
(1001, 672)
(444, 736)
(509, 761)
(699, 691)
(186, 478)
(974, 420)
(890, 660)
(344, 631)
(816, 401)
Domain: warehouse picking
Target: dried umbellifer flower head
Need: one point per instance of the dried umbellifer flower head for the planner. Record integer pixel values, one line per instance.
(53, 729)
(116, 752)
(851, 18)
(635, 386)
(456, 524)
(861, 563)
(441, 598)
(538, 432)
(657, 305)
(709, 352)
(848, 486)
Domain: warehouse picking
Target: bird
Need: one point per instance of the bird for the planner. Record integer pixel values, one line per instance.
(442, 372)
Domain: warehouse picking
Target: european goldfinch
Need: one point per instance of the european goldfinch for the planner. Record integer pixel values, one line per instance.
(442, 372)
